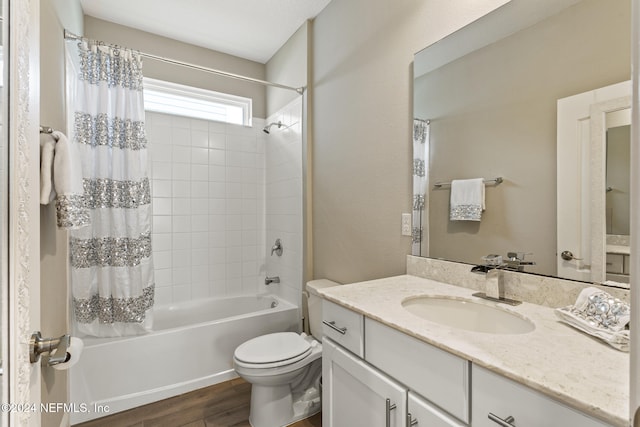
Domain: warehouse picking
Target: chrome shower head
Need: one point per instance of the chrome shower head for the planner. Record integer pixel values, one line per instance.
(267, 128)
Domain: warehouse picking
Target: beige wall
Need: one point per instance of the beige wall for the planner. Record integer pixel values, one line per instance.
(162, 46)
(288, 66)
(55, 15)
(362, 109)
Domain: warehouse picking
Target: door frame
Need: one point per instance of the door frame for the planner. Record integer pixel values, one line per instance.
(21, 378)
(579, 170)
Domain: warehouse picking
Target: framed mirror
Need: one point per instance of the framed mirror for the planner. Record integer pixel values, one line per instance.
(492, 112)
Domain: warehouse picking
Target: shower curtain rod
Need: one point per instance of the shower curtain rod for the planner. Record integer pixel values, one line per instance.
(68, 35)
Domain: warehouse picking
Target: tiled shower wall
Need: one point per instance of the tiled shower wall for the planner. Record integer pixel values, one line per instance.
(208, 207)
(284, 200)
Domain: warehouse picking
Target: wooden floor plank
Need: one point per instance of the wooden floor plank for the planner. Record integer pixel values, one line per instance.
(221, 405)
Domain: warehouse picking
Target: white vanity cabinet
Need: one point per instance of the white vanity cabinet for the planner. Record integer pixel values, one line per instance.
(374, 375)
(354, 394)
(343, 326)
(423, 414)
(502, 398)
(438, 376)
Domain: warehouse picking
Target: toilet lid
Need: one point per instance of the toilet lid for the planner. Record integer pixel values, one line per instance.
(273, 348)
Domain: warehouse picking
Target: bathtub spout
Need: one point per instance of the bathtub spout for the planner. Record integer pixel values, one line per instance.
(269, 280)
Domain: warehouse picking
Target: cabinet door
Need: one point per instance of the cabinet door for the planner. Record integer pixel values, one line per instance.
(424, 414)
(503, 398)
(438, 376)
(354, 394)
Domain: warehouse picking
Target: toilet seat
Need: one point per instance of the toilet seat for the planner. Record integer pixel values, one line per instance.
(272, 350)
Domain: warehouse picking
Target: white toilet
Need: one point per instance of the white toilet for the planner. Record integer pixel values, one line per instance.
(284, 369)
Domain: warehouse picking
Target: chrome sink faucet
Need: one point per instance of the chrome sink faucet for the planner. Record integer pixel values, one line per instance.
(515, 261)
(494, 282)
(493, 285)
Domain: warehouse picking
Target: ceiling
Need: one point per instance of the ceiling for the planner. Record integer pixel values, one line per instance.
(251, 29)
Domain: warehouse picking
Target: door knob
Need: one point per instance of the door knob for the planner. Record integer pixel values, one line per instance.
(568, 256)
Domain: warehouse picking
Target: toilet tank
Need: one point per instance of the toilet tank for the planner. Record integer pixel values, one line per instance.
(314, 305)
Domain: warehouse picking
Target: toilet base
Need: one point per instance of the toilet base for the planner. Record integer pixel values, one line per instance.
(276, 406)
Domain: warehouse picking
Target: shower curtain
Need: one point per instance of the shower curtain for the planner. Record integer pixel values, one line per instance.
(420, 150)
(111, 269)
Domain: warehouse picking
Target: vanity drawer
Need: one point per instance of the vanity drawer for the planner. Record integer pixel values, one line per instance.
(343, 326)
(504, 398)
(615, 263)
(438, 376)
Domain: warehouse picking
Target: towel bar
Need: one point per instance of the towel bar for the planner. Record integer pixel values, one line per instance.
(497, 180)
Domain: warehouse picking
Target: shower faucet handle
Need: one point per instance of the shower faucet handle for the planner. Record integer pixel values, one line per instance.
(277, 248)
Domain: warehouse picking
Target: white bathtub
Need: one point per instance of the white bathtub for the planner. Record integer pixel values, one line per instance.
(191, 347)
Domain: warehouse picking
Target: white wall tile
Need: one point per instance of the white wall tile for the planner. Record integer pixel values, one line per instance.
(217, 157)
(181, 206)
(181, 171)
(217, 140)
(161, 224)
(160, 170)
(200, 172)
(161, 188)
(208, 192)
(181, 154)
(283, 201)
(200, 137)
(199, 155)
(161, 206)
(180, 137)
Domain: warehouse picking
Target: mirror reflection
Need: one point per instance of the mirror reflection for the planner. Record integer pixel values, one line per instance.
(618, 175)
(617, 214)
(3, 205)
(492, 112)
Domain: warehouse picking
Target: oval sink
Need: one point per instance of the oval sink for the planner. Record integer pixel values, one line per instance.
(468, 315)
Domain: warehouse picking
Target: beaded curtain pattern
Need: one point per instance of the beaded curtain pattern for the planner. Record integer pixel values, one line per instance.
(111, 266)
(420, 150)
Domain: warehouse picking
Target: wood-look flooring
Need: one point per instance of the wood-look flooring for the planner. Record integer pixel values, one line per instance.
(221, 405)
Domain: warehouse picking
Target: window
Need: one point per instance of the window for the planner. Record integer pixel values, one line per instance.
(173, 98)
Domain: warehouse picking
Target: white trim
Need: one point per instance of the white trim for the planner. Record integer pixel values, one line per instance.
(173, 98)
(634, 398)
(23, 70)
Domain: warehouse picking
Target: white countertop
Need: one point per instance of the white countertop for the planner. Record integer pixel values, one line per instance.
(554, 359)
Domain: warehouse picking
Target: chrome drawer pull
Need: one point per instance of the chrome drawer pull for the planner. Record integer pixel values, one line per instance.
(502, 422)
(333, 326)
(390, 408)
(411, 422)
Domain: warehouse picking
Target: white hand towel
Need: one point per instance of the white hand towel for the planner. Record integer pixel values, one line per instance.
(599, 314)
(47, 147)
(67, 177)
(467, 199)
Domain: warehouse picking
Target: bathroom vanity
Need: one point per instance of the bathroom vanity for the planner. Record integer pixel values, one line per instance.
(384, 365)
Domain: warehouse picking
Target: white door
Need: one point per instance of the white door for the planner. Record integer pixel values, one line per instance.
(575, 180)
(354, 394)
(21, 218)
